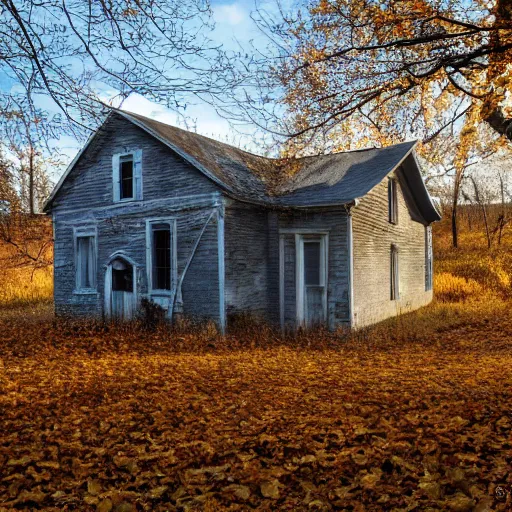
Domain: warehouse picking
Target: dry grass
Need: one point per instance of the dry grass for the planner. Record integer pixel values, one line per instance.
(409, 415)
(24, 286)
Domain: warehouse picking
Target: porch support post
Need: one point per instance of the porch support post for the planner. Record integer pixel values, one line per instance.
(221, 266)
(350, 244)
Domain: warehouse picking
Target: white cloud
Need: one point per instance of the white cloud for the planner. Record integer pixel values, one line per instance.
(231, 14)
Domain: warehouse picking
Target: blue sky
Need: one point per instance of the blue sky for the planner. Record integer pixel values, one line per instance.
(233, 28)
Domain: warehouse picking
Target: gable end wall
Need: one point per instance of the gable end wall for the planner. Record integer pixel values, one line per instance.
(373, 235)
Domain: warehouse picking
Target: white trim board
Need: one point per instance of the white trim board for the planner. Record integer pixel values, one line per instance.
(221, 268)
(175, 203)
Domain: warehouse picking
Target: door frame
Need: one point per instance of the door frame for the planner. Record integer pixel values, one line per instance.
(108, 280)
(300, 235)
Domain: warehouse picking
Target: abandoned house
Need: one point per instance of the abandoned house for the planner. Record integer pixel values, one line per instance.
(206, 230)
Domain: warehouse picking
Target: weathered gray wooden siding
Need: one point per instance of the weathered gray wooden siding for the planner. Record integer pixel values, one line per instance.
(164, 174)
(171, 188)
(373, 235)
(126, 231)
(246, 255)
(335, 222)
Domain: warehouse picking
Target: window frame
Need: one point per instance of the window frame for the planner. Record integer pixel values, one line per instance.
(429, 259)
(171, 221)
(303, 236)
(85, 232)
(394, 280)
(392, 201)
(137, 179)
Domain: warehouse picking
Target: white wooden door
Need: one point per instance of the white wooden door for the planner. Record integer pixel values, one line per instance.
(122, 305)
(311, 280)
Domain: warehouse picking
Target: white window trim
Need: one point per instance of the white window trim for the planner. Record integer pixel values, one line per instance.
(78, 232)
(395, 286)
(134, 190)
(149, 254)
(108, 280)
(116, 183)
(429, 259)
(392, 200)
(299, 233)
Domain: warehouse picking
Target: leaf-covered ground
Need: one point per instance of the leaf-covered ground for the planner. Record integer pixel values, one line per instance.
(123, 421)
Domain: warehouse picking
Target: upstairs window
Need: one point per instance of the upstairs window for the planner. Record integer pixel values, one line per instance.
(126, 180)
(392, 201)
(127, 176)
(395, 277)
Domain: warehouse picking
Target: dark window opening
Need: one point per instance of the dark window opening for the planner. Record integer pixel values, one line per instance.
(126, 178)
(161, 258)
(122, 276)
(312, 263)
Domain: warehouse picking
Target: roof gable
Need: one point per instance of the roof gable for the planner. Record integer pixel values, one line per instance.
(318, 181)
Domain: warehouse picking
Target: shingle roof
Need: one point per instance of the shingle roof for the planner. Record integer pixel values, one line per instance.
(324, 180)
(243, 173)
(341, 177)
(337, 178)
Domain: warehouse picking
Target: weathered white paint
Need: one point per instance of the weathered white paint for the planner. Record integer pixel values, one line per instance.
(108, 281)
(136, 155)
(176, 294)
(171, 203)
(222, 271)
(301, 287)
(72, 164)
(171, 221)
(299, 282)
(350, 250)
(84, 231)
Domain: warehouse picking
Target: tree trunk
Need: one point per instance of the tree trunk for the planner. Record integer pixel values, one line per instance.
(502, 214)
(484, 212)
(31, 184)
(455, 203)
(454, 225)
(498, 122)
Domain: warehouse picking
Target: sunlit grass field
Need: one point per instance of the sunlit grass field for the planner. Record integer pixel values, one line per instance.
(25, 286)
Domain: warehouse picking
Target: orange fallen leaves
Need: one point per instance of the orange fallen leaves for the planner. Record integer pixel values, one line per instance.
(120, 420)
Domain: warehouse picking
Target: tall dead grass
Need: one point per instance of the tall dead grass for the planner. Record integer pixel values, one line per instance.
(470, 283)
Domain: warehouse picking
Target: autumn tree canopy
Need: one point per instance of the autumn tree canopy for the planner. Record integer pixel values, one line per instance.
(392, 68)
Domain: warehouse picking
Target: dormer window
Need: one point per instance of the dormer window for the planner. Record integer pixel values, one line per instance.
(127, 176)
(392, 201)
(126, 180)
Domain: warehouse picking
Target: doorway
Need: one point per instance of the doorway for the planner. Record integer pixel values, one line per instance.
(311, 275)
(120, 291)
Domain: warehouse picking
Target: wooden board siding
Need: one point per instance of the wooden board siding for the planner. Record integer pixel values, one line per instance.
(373, 235)
(126, 231)
(164, 174)
(246, 254)
(335, 222)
